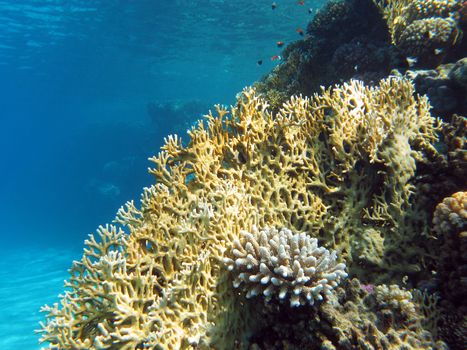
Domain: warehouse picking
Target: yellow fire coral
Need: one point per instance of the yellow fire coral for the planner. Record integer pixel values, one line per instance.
(331, 166)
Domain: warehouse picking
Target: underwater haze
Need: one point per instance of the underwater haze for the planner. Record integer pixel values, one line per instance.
(89, 89)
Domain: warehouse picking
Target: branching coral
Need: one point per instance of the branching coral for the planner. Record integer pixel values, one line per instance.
(284, 264)
(429, 310)
(109, 302)
(332, 166)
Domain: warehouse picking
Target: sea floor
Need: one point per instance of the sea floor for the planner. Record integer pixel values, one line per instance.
(29, 278)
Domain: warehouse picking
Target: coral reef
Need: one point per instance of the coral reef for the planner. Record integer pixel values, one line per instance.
(458, 74)
(455, 141)
(450, 216)
(425, 29)
(445, 86)
(358, 176)
(428, 308)
(445, 173)
(284, 264)
(387, 318)
(334, 166)
(330, 55)
(450, 225)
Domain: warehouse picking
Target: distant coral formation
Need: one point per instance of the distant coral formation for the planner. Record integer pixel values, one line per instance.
(425, 29)
(329, 55)
(337, 166)
(422, 34)
(283, 264)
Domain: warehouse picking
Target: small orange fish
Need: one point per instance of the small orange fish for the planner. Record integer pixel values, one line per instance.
(300, 31)
(301, 2)
(280, 43)
(275, 58)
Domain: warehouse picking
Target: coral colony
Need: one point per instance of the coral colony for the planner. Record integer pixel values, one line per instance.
(303, 217)
(283, 264)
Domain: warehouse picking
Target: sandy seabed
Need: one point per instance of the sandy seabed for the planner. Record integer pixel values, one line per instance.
(29, 278)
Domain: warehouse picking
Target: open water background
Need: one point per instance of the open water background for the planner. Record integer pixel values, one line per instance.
(76, 80)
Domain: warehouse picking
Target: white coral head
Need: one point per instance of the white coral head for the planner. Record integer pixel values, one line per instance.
(284, 265)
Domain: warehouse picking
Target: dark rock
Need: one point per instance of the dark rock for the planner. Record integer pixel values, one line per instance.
(445, 86)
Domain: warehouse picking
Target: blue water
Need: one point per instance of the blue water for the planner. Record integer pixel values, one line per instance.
(77, 79)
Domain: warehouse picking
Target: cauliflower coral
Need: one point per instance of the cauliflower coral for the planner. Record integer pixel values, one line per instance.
(284, 264)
